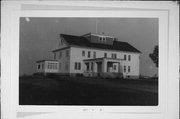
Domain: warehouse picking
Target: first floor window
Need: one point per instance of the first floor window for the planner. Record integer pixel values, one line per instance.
(66, 66)
(89, 54)
(39, 66)
(124, 68)
(129, 68)
(77, 66)
(59, 66)
(42, 66)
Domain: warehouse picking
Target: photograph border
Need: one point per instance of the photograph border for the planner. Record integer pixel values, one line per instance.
(165, 27)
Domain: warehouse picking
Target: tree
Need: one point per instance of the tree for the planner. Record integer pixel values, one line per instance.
(154, 56)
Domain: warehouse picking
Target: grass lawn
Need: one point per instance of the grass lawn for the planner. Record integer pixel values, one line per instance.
(86, 91)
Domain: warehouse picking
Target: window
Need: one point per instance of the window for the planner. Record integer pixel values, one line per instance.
(89, 54)
(59, 66)
(54, 55)
(66, 66)
(55, 65)
(100, 38)
(39, 66)
(67, 53)
(49, 66)
(124, 57)
(77, 66)
(114, 67)
(60, 54)
(83, 53)
(42, 66)
(105, 55)
(114, 56)
(129, 69)
(124, 68)
(94, 54)
(129, 57)
(104, 39)
(52, 65)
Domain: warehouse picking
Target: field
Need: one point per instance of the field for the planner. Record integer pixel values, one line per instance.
(36, 90)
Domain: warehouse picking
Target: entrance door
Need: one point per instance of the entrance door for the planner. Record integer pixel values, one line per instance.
(99, 67)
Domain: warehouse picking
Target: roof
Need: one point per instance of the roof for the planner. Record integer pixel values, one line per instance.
(46, 60)
(84, 42)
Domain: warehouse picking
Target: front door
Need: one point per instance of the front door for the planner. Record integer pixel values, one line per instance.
(99, 67)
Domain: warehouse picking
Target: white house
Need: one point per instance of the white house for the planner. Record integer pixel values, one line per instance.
(96, 55)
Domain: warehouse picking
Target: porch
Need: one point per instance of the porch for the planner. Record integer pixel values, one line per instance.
(103, 67)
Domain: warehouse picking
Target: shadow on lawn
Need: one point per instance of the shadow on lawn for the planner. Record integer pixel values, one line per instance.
(35, 90)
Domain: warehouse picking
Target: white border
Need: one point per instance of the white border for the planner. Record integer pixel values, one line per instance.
(167, 24)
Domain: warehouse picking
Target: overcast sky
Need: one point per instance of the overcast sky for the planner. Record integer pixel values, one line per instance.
(39, 36)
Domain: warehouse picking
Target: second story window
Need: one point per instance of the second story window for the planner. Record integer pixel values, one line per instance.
(89, 54)
(94, 54)
(60, 54)
(67, 53)
(105, 55)
(129, 57)
(83, 53)
(114, 56)
(54, 55)
(124, 57)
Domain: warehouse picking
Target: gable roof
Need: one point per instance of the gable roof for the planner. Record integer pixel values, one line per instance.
(84, 42)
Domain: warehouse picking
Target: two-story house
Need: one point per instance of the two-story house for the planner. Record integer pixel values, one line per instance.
(96, 55)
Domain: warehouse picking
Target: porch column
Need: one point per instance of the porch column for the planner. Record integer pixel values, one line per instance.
(90, 67)
(104, 66)
(119, 67)
(94, 67)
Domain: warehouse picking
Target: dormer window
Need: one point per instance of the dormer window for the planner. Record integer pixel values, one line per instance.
(102, 39)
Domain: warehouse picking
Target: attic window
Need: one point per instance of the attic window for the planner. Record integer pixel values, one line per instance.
(102, 39)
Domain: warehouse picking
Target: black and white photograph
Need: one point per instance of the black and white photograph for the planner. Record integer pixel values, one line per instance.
(88, 61)
(92, 59)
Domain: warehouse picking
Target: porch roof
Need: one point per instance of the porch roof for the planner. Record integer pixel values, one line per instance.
(104, 58)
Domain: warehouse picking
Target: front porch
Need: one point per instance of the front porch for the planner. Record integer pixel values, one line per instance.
(103, 67)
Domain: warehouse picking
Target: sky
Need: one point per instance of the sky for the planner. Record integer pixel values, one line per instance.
(39, 36)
